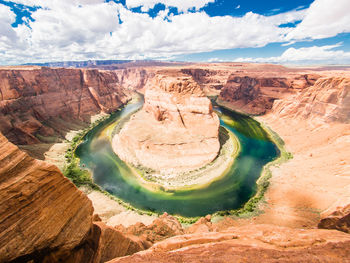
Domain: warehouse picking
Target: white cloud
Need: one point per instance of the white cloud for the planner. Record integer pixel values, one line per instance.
(7, 35)
(304, 55)
(324, 18)
(89, 29)
(181, 5)
(70, 30)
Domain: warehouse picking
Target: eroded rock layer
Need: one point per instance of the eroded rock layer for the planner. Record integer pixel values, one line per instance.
(176, 131)
(44, 217)
(328, 100)
(40, 210)
(255, 93)
(252, 243)
(37, 104)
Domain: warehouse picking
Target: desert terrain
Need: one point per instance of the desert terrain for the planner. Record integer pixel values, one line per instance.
(42, 109)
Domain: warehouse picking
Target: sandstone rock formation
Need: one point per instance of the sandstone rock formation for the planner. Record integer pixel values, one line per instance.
(252, 243)
(255, 94)
(339, 219)
(40, 210)
(161, 228)
(44, 217)
(39, 104)
(176, 131)
(328, 100)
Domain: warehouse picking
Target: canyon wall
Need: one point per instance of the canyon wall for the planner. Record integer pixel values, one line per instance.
(328, 100)
(256, 94)
(39, 104)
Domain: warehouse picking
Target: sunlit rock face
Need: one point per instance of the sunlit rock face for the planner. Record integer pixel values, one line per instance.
(176, 131)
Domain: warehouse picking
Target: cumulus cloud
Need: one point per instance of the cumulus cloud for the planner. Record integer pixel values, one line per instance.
(306, 55)
(90, 29)
(7, 34)
(324, 18)
(181, 5)
(72, 30)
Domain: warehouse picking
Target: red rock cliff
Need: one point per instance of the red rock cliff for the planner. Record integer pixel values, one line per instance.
(38, 103)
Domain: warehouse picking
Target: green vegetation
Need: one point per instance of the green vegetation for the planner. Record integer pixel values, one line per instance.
(72, 169)
(251, 208)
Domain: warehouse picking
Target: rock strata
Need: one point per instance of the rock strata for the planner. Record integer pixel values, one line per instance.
(41, 211)
(255, 94)
(40, 104)
(176, 131)
(44, 217)
(328, 100)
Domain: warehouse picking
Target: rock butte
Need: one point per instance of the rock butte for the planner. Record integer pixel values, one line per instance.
(45, 218)
(176, 130)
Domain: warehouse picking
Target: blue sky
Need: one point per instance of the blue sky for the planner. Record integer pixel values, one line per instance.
(279, 31)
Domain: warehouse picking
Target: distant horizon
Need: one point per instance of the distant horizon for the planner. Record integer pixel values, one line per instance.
(122, 61)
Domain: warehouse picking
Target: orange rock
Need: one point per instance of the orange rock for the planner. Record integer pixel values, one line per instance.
(40, 210)
(176, 131)
(253, 243)
(339, 219)
(161, 228)
(327, 100)
(45, 101)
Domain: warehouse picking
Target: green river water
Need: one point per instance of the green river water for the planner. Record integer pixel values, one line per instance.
(231, 191)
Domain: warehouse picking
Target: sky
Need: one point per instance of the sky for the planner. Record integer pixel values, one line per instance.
(273, 31)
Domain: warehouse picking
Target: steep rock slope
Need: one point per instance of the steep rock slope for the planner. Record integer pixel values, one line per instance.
(255, 94)
(167, 134)
(328, 100)
(44, 217)
(37, 104)
(40, 209)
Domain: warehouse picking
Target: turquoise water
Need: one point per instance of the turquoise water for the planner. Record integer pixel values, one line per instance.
(234, 189)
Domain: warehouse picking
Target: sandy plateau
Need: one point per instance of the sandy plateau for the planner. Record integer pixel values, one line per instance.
(309, 108)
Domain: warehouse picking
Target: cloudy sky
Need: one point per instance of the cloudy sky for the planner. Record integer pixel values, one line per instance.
(275, 31)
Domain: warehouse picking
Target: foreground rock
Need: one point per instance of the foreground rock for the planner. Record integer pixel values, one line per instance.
(253, 243)
(176, 131)
(44, 217)
(161, 228)
(40, 210)
(339, 219)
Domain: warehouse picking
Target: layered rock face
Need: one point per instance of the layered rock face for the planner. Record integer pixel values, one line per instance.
(256, 94)
(40, 210)
(37, 104)
(44, 217)
(176, 131)
(328, 100)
